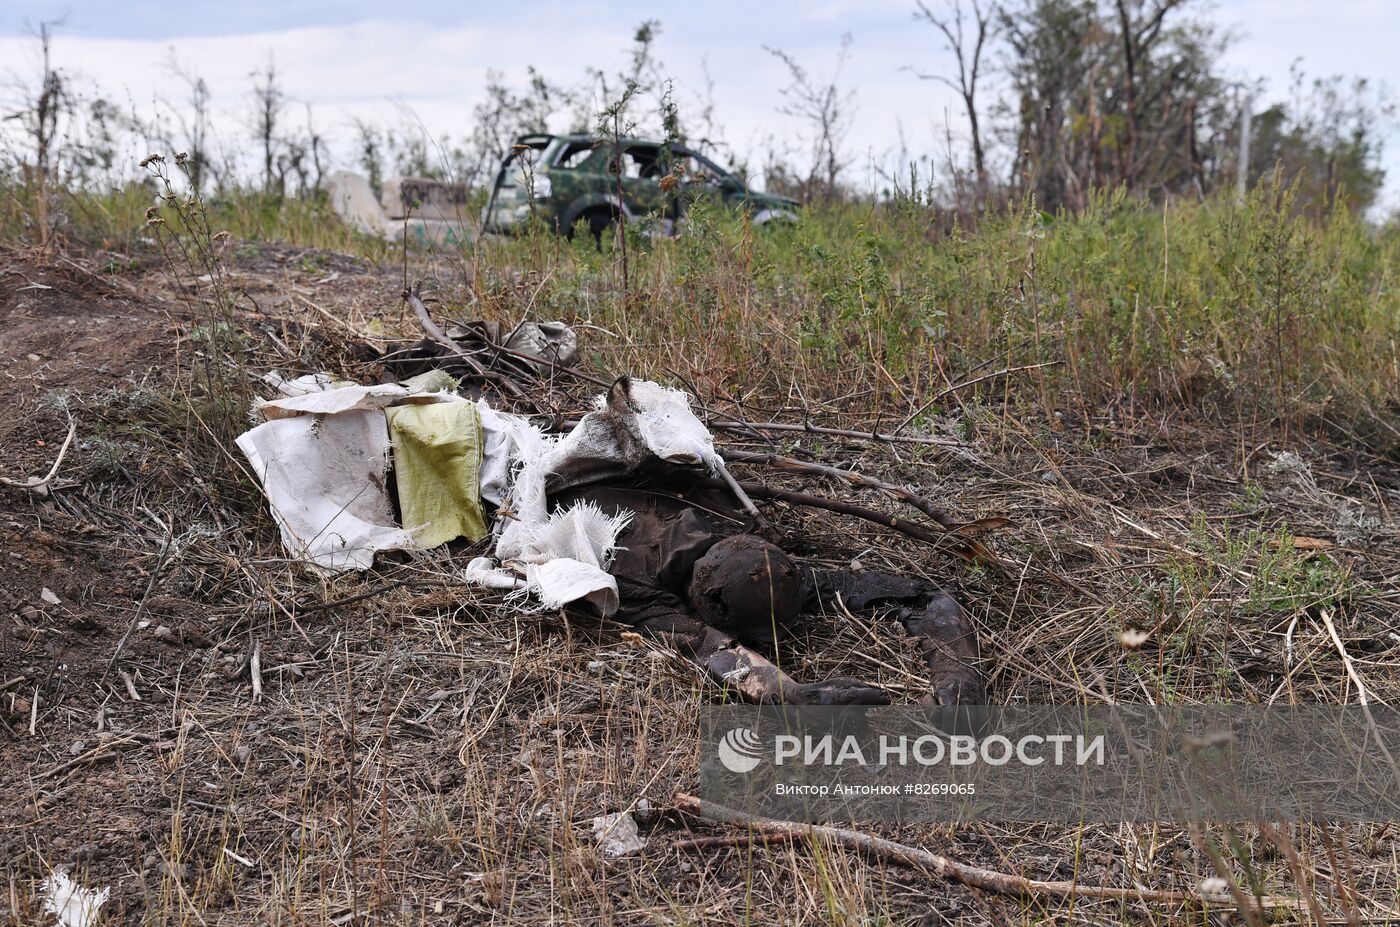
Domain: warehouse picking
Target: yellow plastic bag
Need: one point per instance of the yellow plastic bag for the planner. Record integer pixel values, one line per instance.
(437, 465)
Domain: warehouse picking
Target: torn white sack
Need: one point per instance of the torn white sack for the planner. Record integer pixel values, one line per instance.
(322, 457)
(564, 556)
(325, 479)
(69, 902)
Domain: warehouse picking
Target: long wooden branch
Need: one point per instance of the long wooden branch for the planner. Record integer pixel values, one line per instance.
(901, 493)
(732, 425)
(949, 868)
(415, 300)
(958, 540)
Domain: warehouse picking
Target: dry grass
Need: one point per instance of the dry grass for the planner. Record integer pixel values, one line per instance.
(424, 755)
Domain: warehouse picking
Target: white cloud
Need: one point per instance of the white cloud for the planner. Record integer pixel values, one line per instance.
(374, 68)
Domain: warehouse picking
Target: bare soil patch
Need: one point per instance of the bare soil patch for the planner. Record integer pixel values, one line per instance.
(267, 747)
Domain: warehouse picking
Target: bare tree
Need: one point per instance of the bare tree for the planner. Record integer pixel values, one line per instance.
(1140, 26)
(826, 108)
(38, 116)
(968, 49)
(316, 146)
(195, 127)
(268, 101)
(369, 145)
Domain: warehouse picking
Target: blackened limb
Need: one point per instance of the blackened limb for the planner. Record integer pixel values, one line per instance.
(748, 673)
(946, 638)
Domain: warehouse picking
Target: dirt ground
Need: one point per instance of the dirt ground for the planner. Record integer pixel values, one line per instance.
(220, 738)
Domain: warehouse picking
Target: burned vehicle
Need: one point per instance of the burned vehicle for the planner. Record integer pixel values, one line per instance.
(568, 180)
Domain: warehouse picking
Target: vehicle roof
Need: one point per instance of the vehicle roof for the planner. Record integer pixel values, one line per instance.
(588, 137)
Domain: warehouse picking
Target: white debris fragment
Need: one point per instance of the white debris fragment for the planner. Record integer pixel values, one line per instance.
(49, 596)
(616, 834)
(73, 905)
(1213, 886)
(1133, 638)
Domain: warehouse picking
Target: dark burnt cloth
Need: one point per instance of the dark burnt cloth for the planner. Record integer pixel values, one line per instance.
(673, 527)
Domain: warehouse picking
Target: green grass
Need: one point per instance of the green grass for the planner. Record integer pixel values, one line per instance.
(1250, 309)
(1245, 308)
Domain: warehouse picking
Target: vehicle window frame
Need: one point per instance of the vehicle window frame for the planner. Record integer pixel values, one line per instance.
(720, 173)
(566, 147)
(656, 163)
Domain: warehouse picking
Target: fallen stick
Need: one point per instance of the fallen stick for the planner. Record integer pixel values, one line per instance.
(415, 301)
(758, 839)
(966, 547)
(836, 433)
(901, 493)
(87, 757)
(130, 685)
(37, 483)
(255, 671)
(742, 496)
(949, 868)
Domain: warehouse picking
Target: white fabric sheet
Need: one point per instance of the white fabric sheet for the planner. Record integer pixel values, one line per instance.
(324, 476)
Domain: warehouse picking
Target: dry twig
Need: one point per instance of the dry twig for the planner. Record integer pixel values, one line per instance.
(40, 483)
(414, 296)
(949, 868)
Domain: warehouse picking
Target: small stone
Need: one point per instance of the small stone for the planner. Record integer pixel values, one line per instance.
(242, 754)
(857, 566)
(78, 747)
(143, 624)
(48, 596)
(28, 612)
(34, 357)
(86, 853)
(162, 633)
(595, 666)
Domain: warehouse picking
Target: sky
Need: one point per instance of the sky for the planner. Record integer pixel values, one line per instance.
(358, 59)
